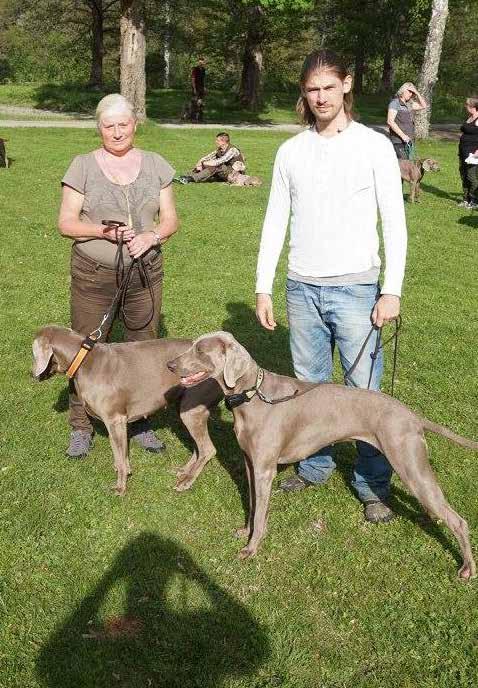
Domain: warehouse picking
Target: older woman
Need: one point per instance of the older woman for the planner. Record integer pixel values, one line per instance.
(469, 145)
(122, 183)
(400, 119)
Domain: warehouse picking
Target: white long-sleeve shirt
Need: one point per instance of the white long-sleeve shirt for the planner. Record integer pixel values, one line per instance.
(332, 187)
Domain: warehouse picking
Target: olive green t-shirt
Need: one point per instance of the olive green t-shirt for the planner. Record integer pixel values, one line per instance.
(105, 200)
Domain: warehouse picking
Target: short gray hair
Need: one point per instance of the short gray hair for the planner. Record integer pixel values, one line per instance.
(114, 102)
(407, 86)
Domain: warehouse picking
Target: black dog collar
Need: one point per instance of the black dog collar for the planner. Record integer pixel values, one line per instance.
(233, 400)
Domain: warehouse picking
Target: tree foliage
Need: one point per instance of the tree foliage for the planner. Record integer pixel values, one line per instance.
(382, 40)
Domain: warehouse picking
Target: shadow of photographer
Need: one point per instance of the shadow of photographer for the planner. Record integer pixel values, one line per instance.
(200, 639)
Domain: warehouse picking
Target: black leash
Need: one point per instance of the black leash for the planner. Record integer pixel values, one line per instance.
(123, 279)
(233, 400)
(119, 300)
(374, 354)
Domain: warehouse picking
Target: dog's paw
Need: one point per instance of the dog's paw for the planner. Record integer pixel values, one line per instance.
(466, 573)
(184, 482)
(118, 490)
(241, 533)
(246, 553)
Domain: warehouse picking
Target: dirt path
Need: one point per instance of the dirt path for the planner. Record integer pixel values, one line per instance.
(56, 119)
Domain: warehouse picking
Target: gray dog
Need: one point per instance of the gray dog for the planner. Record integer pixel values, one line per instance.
(120, 383)
(413, 170)
(309, 417)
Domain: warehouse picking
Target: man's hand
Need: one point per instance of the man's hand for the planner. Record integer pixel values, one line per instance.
(406, 139)
(387, 308)
(264, 312)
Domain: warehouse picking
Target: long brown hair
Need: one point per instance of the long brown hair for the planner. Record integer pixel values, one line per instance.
(316, 60)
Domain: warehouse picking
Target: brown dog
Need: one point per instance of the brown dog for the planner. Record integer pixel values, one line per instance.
(412, 171)
(311, 416)
(120, 383)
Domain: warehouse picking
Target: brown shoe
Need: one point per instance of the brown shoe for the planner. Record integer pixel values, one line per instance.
(376, 511)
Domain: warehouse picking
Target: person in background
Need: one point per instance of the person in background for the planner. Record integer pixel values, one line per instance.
(217, 165)
(118, 182)
(198, 86)
(469, 145)
(400, 120)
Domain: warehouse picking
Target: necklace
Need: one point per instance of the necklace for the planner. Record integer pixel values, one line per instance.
(124, 187)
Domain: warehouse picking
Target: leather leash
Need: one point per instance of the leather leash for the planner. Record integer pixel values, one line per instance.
(233, 400)
(374, 354)
(119, 300)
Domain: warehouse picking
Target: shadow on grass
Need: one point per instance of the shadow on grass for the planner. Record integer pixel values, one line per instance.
(161, 104)
(201, 639)
(401, 502)
(440, 193)
(71, 97)
(469, 221)
(270, 349)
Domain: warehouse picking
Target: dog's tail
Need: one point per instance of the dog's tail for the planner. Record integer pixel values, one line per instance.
(438, 429)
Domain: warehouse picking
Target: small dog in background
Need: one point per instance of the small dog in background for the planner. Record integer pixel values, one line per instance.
(193, 110)
(412, 171)
(3, 154)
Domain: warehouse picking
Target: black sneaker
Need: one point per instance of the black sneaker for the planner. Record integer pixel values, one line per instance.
(185, 179)
(81, 442)
(376, 511)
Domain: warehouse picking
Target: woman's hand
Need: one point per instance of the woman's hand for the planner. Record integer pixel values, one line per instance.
(141, 243)
(113, 233)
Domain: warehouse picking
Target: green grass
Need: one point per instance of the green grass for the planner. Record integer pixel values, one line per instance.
(168, 104)
(351, 606)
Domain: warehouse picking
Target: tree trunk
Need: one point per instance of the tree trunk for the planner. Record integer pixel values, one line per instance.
(97, 45)
(431, 63)
(388, 70)
(252, 60)
(167, 45)
(359, 71)
(132, 55)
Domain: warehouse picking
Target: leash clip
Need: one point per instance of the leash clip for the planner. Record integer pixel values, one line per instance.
(98, 333)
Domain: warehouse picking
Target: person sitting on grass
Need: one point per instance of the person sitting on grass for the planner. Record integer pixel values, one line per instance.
(219, 164)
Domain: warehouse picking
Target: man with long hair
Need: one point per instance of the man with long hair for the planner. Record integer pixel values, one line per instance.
(332, 178)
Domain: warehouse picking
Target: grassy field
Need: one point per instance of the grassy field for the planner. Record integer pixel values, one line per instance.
(168, 104)
(146, 591)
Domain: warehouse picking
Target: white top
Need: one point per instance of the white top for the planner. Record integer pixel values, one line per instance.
(334, 186)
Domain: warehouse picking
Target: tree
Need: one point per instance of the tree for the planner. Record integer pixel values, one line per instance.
(258, 17)
(133, 54)
(98, 11)
(431, 62)
(253, 58)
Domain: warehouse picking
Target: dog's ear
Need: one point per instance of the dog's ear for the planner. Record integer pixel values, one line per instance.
(237, 361)
(42, 354)
(427, 165)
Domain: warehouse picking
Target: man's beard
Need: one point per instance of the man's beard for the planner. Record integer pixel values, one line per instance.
(326, 115)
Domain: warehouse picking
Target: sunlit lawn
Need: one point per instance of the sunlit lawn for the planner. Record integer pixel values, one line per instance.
(97, 591)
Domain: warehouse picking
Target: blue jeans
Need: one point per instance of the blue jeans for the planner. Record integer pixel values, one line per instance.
(320, 318)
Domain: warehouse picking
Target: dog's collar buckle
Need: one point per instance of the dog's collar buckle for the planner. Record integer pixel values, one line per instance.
(86, 346)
